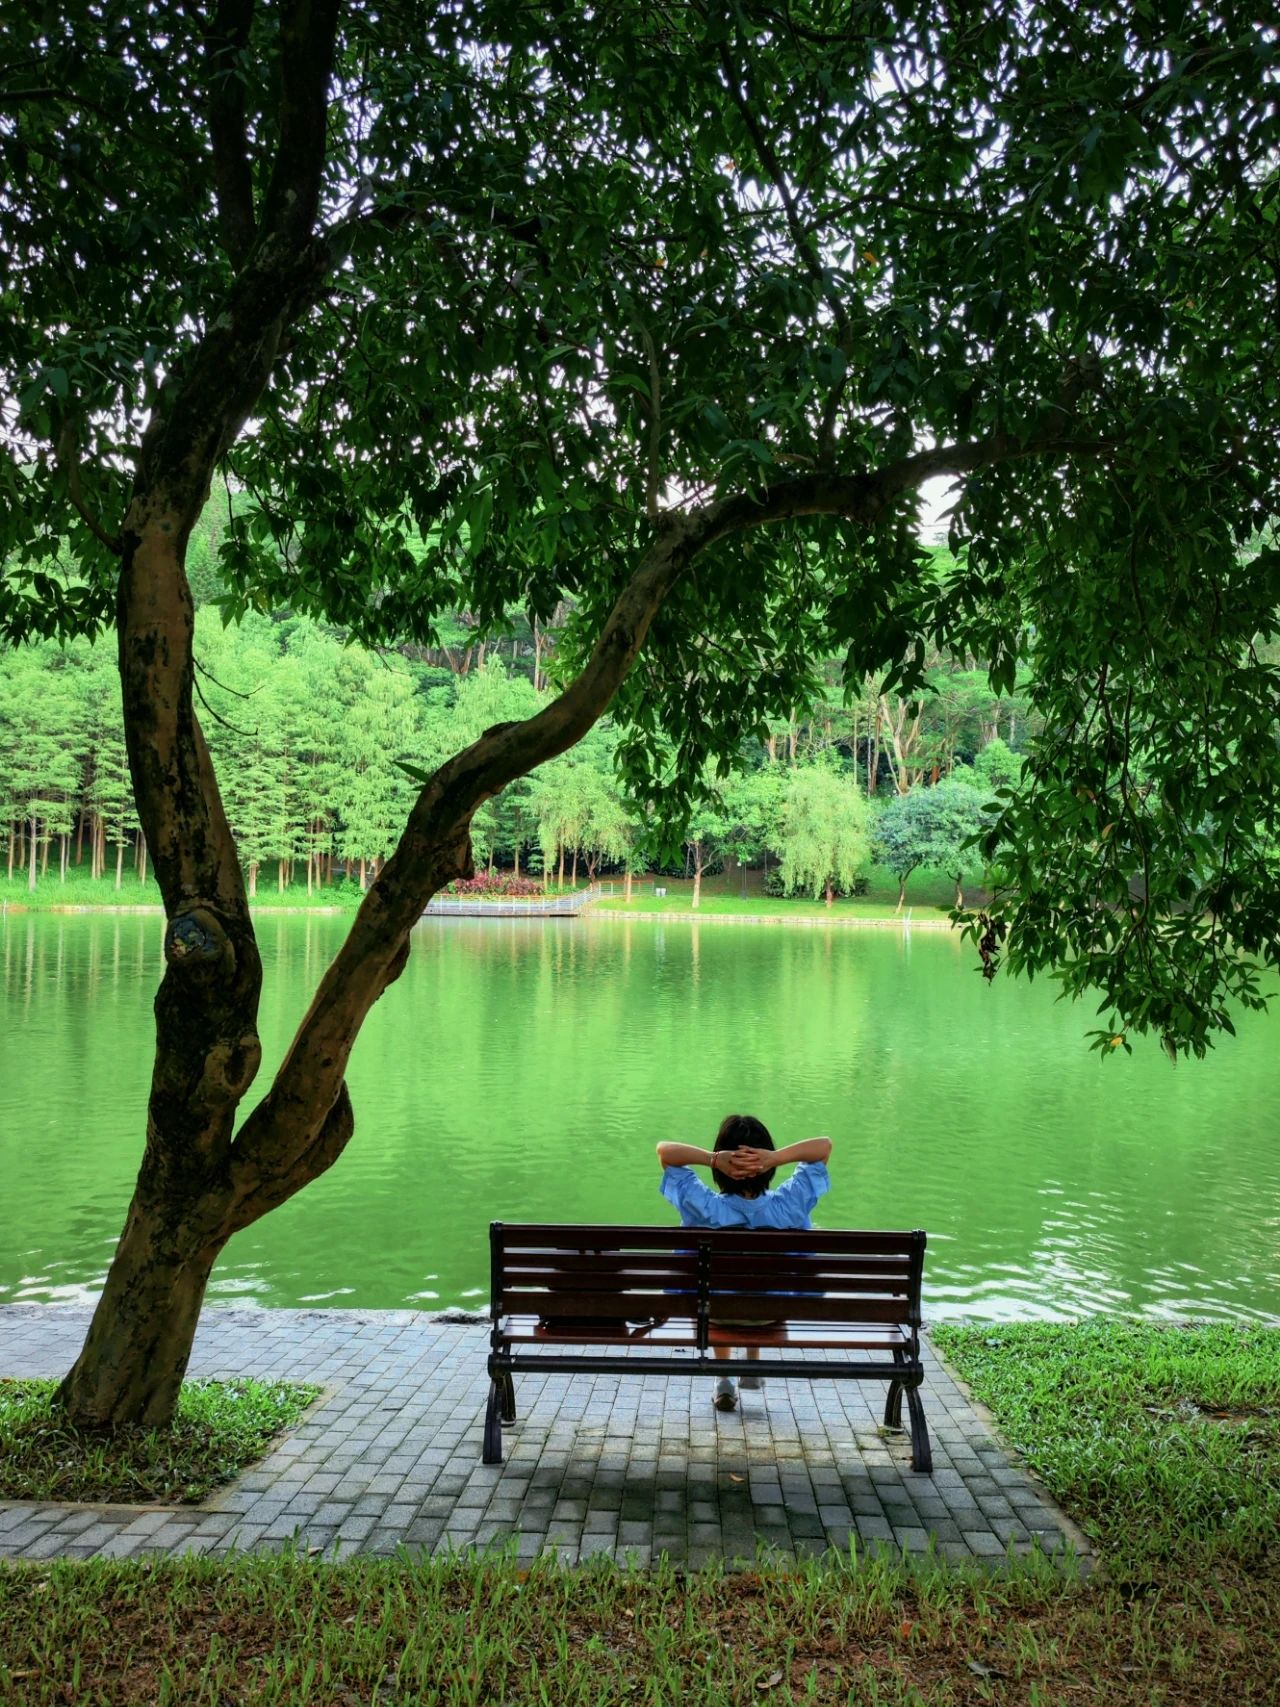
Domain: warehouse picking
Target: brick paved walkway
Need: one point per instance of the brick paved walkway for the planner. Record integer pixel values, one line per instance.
(632, 1466)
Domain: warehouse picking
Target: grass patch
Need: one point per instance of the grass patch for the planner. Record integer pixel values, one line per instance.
(1163, 1442)
(220, 1427)
(80, 890)
(465, 1632)
(930, 894)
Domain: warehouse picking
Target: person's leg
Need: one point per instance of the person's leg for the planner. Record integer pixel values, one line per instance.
(751, 1383)
(726, 1394)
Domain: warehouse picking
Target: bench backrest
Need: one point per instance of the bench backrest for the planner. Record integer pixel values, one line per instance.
(627, 1273)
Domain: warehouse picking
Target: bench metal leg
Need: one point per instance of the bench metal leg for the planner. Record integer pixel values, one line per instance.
(921, 1454)
(508, 1397)
(493, 1423)
(893, 1400)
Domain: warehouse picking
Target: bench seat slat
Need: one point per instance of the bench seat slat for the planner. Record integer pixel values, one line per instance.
(604, 1279)
(733, 1307)
(736, 1268)
(826, 1307)
(614, 1306)
(527, 1330)
(519, 1329)
(529, 1239)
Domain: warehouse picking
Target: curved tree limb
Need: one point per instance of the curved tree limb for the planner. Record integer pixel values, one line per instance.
(225, 42)
(278, 1147)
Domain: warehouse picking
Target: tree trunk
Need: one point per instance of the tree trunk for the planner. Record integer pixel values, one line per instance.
(697, 885)
(31, 858)
(142, 857)
(902, 894)
(830, 893)
(253, 879)
(64, 855)
(135, 1355)
(573, 880)
(516, 852)
(44, 851)
(279, 877)
(120, 860)
(13, 846)
(560, 879)
(959, 878)
(80, 818)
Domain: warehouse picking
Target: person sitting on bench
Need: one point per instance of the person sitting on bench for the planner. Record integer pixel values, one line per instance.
(744, 1162)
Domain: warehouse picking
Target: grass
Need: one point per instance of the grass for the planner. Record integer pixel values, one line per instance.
(80, 890)
(1163, 1442)
(930, 894)
(220, 1427)
(467, 1632)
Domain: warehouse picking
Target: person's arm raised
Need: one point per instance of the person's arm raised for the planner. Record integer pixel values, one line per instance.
(807, 1150)
(673, 1155)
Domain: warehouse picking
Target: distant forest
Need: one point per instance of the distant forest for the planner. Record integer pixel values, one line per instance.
(317, 742)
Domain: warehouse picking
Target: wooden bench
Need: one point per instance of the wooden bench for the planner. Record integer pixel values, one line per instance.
(658, 1300)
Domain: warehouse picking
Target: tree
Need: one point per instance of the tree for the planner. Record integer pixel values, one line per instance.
(824, 831)
(997, 766)
(932, 826)
(900, 836)
(672, 318)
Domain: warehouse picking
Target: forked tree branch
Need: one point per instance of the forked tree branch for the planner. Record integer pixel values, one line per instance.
(280, 1143)
(67, 456)
(225, 43)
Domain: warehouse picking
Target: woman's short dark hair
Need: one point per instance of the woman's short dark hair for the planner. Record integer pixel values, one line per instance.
(744, 1132)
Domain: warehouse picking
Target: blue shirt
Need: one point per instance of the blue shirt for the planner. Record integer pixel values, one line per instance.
(789, 1206)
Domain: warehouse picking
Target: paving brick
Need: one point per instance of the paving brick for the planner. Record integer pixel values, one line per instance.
(626, 1465)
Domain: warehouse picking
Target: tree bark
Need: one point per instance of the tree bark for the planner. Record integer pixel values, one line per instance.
(31, 857)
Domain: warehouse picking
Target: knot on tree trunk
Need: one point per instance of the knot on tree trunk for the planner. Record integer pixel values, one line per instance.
(196, 940)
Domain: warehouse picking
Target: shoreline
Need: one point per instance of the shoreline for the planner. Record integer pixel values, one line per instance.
(906, 923)
(145, 907)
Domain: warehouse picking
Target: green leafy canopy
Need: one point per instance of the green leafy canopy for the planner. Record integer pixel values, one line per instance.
(578, 265)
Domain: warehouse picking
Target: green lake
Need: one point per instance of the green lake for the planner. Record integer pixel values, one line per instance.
(524, 1070)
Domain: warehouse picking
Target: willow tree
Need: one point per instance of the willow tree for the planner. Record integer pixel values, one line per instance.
(667, 313)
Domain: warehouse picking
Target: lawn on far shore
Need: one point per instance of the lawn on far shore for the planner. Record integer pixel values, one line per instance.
(737, 892)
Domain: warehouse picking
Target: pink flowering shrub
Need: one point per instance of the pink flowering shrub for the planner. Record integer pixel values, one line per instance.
(502, 886)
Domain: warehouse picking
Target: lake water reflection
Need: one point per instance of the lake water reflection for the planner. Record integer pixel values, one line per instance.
(524, 1071)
